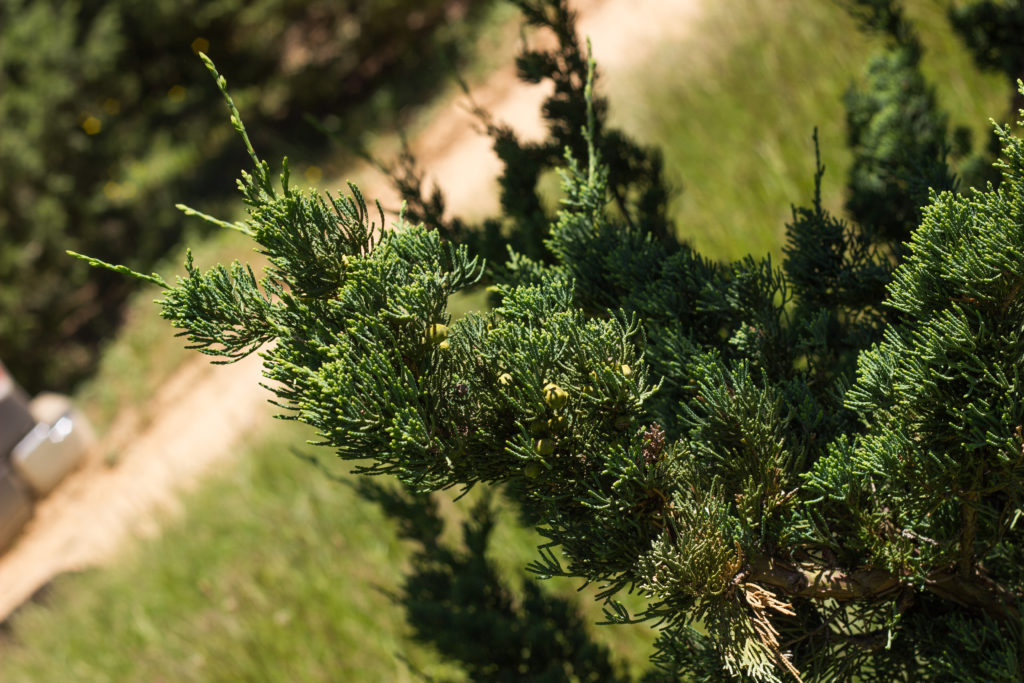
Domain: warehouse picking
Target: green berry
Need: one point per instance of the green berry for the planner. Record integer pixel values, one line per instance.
(627, 371)
(555, 396)
(436, 334)
(532, 470)
(544, 446)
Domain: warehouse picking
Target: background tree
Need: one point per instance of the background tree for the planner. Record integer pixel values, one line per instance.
(991, 30)
(898, 134)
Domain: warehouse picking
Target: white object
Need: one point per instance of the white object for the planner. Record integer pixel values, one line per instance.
(52, 450)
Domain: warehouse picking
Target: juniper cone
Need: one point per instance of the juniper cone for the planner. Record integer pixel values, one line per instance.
(810, 471)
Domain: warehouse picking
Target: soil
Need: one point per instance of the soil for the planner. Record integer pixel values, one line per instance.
(200, 417)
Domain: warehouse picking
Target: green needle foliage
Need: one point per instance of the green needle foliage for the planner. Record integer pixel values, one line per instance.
(99, 135)
(809, 470)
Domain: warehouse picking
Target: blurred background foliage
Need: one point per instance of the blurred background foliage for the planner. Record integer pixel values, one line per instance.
(106, 122)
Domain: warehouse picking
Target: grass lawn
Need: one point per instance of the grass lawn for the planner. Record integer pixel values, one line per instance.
(275, 572)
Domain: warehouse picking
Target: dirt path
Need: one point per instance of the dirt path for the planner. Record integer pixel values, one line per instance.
(202, 414)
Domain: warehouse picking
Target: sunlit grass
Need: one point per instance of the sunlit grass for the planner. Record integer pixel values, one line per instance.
(274, 572)
(734, 107)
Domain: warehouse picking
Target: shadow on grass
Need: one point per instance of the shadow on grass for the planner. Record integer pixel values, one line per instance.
(455, 600)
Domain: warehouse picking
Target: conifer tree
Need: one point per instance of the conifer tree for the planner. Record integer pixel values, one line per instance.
(810, 472)
(991, 31)
(896, 130)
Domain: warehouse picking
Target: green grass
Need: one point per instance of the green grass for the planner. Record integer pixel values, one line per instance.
(734, 108)
(275, 572)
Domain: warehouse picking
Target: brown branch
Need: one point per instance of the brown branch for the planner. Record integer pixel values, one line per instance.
(823, 583)
(977, 592)
(969, 513)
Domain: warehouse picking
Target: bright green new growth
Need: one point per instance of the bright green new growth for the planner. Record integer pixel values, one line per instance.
(780, 523)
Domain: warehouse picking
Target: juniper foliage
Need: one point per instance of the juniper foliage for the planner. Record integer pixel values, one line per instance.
(810, 471)
(99, 135)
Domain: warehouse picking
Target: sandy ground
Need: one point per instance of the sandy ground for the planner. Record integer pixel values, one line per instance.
(200, 416)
